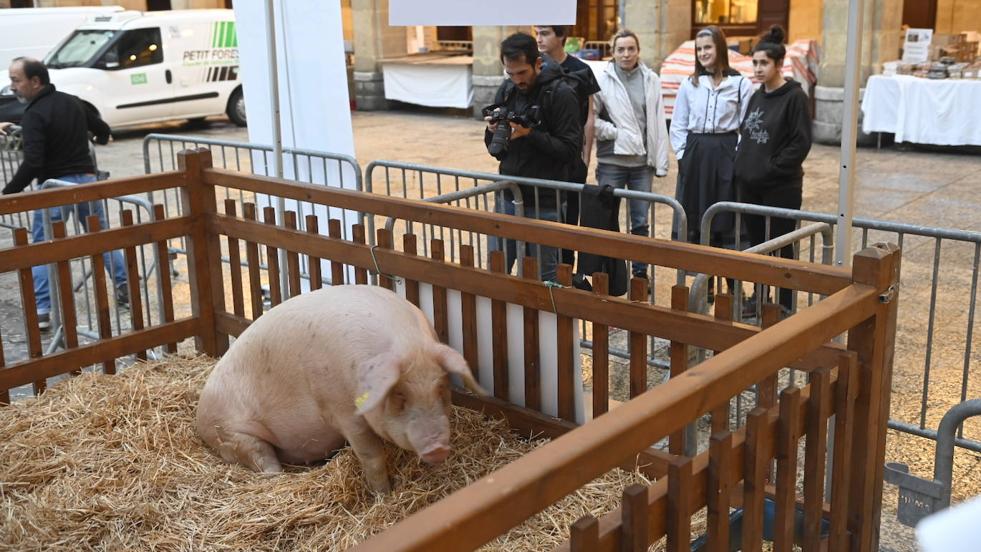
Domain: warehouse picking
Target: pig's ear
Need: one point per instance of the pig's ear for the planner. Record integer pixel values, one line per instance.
(454, 363)
(375, 379)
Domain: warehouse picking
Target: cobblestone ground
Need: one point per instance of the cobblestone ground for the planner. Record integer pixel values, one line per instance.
(929, 188)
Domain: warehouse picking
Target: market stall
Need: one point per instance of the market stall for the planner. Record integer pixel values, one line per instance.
(433, 79)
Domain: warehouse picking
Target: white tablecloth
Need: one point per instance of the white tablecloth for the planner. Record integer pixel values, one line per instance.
(924, 111)
(431, 85)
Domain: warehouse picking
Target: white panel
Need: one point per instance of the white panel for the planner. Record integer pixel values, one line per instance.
(474, 12)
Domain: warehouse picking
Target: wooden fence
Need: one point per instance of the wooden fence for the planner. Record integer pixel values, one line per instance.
(850, 383)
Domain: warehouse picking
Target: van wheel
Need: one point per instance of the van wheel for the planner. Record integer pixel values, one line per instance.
(236, 107)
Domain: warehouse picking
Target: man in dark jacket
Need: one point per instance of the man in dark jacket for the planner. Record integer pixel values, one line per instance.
(56, 145)
(548, 149)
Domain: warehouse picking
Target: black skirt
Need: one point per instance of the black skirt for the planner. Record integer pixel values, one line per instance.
(705, 177)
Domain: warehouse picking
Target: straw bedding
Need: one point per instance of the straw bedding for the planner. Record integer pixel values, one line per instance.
(113, 462)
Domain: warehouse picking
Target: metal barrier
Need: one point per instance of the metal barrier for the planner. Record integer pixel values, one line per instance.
(300, 165)
(925, 249)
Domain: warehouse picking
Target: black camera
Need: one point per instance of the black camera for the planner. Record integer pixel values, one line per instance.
(503, 118)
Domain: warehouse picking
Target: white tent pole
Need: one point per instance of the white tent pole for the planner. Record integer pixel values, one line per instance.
(849, 134)
(277, 128)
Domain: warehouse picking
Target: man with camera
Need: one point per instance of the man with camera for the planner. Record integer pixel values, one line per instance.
(534, 130)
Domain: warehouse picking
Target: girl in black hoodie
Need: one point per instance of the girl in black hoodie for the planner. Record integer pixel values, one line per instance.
(775, 137)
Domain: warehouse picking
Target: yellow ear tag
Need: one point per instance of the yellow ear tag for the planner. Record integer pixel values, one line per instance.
(361, 399)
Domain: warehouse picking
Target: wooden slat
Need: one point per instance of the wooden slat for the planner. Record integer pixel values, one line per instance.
(697, 330)
(385, 240)
(4, 391)
(409, 244)
(103, 351)
(634, 511)
(66, 292)
(818, 410)
(337, 277)
(564, 353)
(679, 363)
(292, 257)
(133, 282)
(469, 314)
(774, 271)
(441, 315)
(101, 294)
(873, 341)
(313, 261)
(845, 396)
(32, 201)
(86, 245)
(767, 395)
(788, 439)
(358, 236)
(499, 329)
(252, 258)
(235, 265)
(584, 534)
(679, 504)
(720, 479)
(29, 302)
(272, 261)
(723, 313)
(163, 277)
(601, 352)
(756, 461)
(638, 343)
(533, 389)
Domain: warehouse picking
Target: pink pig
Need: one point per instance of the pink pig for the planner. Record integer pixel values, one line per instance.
(346, 363)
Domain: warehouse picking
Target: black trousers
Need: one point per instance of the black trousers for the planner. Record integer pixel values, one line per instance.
(785, 196)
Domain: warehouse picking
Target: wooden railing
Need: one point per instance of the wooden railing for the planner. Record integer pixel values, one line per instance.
(850, 382)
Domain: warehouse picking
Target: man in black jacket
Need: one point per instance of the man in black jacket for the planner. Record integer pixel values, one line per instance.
(548, 149)
(56, 145)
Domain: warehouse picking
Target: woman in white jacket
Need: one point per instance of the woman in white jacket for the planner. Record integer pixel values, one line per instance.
(631, 132)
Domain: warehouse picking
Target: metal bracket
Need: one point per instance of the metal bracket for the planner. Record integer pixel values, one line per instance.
(918, 497)
(889, 294)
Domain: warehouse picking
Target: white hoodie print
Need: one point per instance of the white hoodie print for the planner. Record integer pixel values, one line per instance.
(756, 131)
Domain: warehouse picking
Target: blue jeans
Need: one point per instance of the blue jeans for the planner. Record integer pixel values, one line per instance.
(638, 179)
(114, 260)
(548, 257)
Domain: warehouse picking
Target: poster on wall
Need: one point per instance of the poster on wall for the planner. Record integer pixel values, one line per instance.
(476, 12)
(916, 47)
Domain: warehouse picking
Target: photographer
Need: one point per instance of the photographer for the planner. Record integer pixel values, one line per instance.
(543, 138)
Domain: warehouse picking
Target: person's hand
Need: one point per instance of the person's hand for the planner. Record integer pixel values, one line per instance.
(491, 126)
(4, 126)
(518, 131)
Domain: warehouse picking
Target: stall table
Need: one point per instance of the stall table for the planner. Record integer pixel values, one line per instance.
(943, 112)
(434, 79)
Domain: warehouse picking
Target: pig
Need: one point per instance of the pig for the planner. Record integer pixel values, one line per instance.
(350, 363)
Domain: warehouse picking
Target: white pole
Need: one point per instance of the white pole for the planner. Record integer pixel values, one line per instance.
(849, 134)
(277, 127)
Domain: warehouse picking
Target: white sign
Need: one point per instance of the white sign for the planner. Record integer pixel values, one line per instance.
(916, 47)
(478, 12)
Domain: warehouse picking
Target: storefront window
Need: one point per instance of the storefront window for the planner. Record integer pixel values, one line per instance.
(725, 12)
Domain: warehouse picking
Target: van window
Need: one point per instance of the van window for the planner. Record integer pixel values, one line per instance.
(79, 49)
(134, 48)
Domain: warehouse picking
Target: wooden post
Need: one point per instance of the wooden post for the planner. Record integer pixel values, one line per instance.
(203, 252)
(873, 341)
(533, 384)
(584, 534)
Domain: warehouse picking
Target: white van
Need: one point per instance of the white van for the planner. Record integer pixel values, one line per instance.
(33, 32)
(137, 68)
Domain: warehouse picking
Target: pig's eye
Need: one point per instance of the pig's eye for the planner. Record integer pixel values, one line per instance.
(396, 401)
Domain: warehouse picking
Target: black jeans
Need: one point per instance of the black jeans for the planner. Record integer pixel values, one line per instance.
(785, 196)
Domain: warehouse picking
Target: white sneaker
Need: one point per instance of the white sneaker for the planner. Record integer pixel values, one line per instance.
(44, 322)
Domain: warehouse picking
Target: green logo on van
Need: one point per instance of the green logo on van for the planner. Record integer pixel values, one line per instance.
(137, 78)
(223, 35)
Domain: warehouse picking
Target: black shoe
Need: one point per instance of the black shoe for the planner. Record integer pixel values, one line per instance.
(580, 282)
(44, 322)
(122, 297)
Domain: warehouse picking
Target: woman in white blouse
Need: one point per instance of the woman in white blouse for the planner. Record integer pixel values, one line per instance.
(708, 110)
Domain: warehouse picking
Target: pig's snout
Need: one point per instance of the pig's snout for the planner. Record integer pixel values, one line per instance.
(435, 454)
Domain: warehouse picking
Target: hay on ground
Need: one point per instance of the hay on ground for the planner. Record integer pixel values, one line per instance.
(113, 462)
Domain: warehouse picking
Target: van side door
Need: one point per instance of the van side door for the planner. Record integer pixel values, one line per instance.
(205, 63)
(138, 86)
